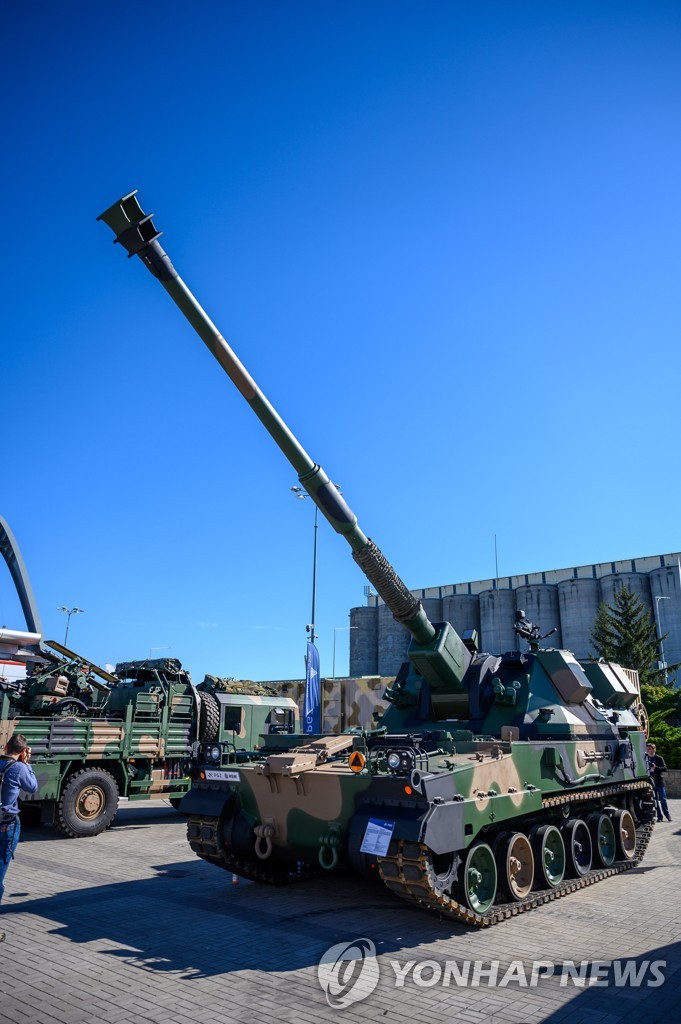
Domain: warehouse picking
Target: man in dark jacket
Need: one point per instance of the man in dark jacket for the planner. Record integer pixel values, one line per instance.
(656, 769)
(16, 775)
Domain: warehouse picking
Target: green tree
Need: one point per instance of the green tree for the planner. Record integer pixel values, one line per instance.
(624, 632)
(667, 739)
(663, 704)
(603, 634)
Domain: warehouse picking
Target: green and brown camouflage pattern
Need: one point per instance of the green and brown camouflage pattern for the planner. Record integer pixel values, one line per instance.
(346, 703)
(548, 733)
(142, 725)
(486, 772)
(538, 728)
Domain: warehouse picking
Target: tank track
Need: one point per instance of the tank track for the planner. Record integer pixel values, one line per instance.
(203, 834)
(405, 870)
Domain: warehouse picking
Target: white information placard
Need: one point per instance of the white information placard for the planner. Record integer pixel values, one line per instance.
(215, 776)
(377, 836)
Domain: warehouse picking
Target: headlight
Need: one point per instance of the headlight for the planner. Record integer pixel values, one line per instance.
(399, 760)
(213, 753)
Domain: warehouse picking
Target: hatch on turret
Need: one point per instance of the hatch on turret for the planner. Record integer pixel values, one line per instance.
(612, 686)
(567, 675)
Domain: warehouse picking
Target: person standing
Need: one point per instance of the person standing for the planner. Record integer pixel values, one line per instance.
(16, 775)
(656, 769)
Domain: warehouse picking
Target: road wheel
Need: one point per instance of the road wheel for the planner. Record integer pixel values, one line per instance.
(478, 885)
(577, 847)
(209, 718)
(625, 833)
(515, 863)
(88, 803)
(603, 838)
(549, 856)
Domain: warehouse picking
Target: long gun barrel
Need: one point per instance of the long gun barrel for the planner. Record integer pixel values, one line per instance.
(437, 652)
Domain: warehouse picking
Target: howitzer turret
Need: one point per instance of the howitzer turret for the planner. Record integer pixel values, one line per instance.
(494, 783)
(436, 650)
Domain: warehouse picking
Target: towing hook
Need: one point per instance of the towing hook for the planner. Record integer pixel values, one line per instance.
(328, 850)
(263, 834)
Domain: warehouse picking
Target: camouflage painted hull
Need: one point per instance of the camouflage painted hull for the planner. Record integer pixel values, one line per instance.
(279, 828)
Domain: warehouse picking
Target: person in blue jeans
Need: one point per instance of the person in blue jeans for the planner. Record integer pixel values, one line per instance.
(16, 775)
(656, 769)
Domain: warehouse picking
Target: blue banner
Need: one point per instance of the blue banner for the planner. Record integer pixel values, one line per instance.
(312, 707)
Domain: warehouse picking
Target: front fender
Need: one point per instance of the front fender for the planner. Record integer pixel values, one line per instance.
(200, 801)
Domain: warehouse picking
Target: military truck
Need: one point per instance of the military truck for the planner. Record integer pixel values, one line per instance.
(97, 736)
(494, 783)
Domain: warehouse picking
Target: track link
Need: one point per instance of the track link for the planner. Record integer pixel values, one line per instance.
(406, 869)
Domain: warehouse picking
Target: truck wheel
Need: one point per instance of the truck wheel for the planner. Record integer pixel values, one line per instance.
(88, 803)
(209, 718)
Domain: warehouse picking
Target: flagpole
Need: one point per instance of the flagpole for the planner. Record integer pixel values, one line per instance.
(313, 695)
(312, 699)
(310, 628)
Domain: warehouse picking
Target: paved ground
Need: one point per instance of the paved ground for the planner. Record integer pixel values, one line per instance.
(130, 928)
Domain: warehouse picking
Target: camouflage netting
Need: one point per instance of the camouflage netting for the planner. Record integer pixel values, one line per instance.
(130, 669)
(245, 686)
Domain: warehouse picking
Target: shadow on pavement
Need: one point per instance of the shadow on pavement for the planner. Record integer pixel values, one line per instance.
(128, 816)
(190, 919)
(652, 993)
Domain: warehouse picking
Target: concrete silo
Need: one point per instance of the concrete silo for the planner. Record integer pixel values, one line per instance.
(539, 601)
(497, 615)
(578, 601)
(637, 582)
(463, 611)
(364, 642)
(393, 641)
(433, 608)
(665, 584)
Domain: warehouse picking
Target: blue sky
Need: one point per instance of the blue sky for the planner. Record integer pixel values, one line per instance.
(444, 239)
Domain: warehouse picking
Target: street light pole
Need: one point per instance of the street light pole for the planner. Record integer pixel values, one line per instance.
(658, 598)
(300, 493)
(310, 628)
(312, 703)
(335, 630)
(69, 613)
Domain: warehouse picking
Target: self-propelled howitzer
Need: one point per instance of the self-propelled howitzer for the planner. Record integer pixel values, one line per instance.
(494, 783)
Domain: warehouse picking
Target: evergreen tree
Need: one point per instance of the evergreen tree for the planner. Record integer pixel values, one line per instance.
(603, 634)
(624, 632)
